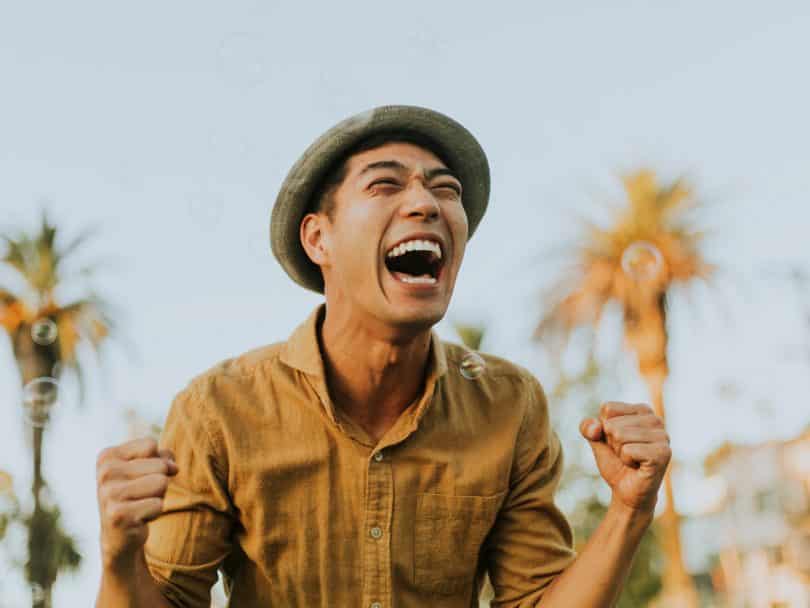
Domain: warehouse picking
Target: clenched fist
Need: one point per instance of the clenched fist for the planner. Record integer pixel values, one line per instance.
(131, 480)
(631, 448)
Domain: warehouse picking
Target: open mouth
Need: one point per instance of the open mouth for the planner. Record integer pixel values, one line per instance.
(416, 262)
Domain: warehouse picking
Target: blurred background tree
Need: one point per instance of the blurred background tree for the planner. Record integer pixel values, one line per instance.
(46, 337)
(652, 245)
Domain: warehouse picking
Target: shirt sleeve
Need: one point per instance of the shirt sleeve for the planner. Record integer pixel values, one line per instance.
(192, 535)
(531, 541)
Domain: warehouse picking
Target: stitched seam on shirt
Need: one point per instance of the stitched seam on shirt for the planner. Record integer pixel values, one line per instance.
(199, 402)
(520, 441)
(222, 475)
(180, 567)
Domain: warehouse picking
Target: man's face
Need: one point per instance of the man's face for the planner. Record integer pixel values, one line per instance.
(398, 238)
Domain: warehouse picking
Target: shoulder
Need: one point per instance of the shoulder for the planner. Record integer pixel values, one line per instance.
(231, 383)
(503, 381)
(239, 368)
(494, 365)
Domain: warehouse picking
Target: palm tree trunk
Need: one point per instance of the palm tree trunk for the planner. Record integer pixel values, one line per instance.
(35, 361)
(679, 590)
(38, 571)
(646, 324)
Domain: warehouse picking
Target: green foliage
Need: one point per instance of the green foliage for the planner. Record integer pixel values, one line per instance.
(50, 549)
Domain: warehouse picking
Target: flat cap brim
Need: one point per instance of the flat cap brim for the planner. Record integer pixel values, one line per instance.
(453, 143)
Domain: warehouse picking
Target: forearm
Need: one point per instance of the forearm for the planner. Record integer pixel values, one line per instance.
(130, 587)
(596, 577)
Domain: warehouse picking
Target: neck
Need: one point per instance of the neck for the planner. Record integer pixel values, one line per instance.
(373, 374)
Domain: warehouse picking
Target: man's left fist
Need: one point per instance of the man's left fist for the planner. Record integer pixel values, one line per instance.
(631, 448)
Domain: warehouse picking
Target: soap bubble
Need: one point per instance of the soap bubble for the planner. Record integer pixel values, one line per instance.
(642, 261)
(39, 396)
(44, 332)
(472, 366)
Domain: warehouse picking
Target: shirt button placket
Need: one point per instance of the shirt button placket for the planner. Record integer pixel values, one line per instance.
(377, 558)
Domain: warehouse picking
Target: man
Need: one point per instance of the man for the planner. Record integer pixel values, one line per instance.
(353, 464)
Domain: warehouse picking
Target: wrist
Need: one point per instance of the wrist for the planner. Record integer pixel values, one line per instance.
(639, 515)
(121, 563)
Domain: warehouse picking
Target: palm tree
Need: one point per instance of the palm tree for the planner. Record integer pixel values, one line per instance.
(29, 303)
(656, 219)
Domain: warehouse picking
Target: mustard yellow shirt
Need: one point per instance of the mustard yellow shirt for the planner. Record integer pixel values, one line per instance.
(298, 507)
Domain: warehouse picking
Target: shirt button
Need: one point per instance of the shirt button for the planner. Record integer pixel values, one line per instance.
(378, 457)
(375, 605)
(376, 532)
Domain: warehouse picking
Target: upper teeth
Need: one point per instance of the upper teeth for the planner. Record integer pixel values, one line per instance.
(416, 245)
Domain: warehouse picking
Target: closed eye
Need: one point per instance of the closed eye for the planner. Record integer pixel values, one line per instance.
(452, 187)
(385, 181)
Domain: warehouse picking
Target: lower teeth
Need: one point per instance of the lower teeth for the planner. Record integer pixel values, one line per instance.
(422, 279)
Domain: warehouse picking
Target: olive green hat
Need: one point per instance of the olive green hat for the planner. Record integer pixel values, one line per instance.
(454, 144)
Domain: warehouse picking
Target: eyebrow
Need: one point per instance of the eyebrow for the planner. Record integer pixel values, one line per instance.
(393, 164)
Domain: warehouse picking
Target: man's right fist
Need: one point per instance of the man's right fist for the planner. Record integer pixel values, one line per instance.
(131, 481)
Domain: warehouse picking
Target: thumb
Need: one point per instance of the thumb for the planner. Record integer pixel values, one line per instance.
(592, 430)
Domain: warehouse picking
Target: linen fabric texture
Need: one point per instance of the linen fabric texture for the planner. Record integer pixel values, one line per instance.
(297, 506)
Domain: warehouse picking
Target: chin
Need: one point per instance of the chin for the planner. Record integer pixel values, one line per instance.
(422, 318)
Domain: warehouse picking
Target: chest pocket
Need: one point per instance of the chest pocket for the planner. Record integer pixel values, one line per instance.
(448, 533)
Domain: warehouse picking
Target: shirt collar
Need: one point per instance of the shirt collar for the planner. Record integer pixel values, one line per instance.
(302, 350)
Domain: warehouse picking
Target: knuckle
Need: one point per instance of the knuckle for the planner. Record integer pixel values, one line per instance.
(116, 514)
(104, 472)
(102, 457)
(105, 494)
(150, 444)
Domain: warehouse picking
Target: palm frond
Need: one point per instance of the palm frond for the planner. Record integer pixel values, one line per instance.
(13, 311)
(658, 214)
(79, 240)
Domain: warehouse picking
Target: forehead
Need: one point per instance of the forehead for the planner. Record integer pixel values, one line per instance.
(410, 155)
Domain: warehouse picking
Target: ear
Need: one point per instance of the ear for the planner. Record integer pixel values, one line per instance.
(314, 238)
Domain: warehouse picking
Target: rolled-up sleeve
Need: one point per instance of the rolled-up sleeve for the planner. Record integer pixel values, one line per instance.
(190, 538)
(531, 541)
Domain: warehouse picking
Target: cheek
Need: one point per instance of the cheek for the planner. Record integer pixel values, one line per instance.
(459, 226)
(360, 230)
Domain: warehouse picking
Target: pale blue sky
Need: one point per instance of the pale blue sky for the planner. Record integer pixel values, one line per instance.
(151, 117)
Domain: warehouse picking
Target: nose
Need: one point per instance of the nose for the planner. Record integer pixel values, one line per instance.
(421, 202)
